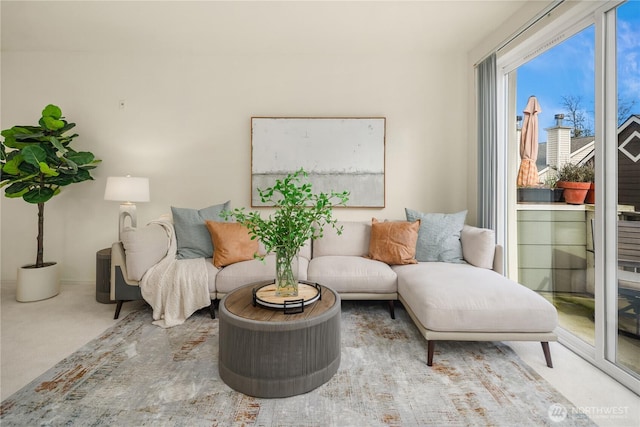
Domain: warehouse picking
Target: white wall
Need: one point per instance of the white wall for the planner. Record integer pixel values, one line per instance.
(186, 125)
(193, 74)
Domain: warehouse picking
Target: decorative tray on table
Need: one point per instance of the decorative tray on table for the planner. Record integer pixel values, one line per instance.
(265, 296)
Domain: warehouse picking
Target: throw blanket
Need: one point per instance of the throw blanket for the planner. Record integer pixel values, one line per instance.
(175, 289)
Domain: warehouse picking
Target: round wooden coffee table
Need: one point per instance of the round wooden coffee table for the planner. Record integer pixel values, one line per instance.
(267, 353)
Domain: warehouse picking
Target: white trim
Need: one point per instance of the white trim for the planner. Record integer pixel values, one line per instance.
(633, 158)
(563, 23)
(632, 118)
(606, 219)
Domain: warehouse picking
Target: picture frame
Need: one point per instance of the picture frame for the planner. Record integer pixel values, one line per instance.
(338, 153)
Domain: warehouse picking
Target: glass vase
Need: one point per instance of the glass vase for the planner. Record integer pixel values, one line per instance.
(286, 273)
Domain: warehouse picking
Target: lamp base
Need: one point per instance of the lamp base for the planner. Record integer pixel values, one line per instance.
(127, 210)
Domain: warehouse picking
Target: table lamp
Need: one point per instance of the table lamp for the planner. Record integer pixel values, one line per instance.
(127, 189)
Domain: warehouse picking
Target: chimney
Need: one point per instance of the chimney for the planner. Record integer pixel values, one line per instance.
(559, 118)
(558, 143)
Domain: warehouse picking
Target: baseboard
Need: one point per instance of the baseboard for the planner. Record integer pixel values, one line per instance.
(11, 283)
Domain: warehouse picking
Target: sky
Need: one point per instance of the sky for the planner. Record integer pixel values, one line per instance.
(568, 70)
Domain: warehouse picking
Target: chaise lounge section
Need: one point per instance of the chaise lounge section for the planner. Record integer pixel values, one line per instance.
(465, 303)
(469, 301)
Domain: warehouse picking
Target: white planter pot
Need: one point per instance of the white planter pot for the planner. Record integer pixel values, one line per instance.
(35, 284)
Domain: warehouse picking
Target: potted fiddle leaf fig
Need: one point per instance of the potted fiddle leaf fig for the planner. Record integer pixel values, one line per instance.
(300, 215)
(36, 162)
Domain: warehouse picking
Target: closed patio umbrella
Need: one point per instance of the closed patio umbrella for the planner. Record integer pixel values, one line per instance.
(528, 172)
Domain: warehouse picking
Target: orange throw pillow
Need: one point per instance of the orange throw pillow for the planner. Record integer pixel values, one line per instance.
(231, 243)
(394, 242)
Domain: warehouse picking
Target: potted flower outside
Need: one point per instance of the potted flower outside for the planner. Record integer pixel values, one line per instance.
(36, 162)
(576, 180)
(300, 215)
(552, 184)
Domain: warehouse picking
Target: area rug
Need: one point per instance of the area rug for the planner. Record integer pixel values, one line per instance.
(139, 374)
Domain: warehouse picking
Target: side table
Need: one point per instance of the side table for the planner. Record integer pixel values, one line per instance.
(103, 276)
(267, 353)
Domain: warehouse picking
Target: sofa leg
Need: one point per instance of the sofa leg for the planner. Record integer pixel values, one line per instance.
(547, 353)
(118, 307)
(212, 309)
(431, 345)
(392, 311)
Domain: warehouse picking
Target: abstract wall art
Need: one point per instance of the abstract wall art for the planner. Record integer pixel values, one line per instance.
(338, 153)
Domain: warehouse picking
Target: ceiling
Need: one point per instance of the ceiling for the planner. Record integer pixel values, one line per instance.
(242, 27)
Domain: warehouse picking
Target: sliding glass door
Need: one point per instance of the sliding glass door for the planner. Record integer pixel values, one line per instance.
(583, 71)
(555, 250)
(626, 350)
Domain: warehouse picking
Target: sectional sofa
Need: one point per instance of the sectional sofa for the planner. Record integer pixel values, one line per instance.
(463, 299)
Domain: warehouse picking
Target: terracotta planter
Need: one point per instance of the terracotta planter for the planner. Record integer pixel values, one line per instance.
(574, 192)
(35, 284)
(591, 195)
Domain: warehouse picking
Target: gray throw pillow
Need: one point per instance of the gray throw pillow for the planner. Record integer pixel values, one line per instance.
(193, 238)
(438, 236)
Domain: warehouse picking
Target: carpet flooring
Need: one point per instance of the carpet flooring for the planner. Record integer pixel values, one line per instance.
(138, 374)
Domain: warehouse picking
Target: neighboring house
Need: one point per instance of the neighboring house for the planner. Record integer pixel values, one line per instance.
(581, 151)
(560, 148)
(629, 162)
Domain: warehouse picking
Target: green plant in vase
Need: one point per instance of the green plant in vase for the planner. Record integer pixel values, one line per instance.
(300, 215)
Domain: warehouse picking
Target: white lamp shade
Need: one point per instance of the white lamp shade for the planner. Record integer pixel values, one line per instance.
(127, 189)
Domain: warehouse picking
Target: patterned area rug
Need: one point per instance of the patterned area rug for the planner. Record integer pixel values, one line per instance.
(139, 374)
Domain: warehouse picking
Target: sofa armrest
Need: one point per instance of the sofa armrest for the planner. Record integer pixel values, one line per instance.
(118, 259)
(143, 248)
(479, 246)
(498, 260)
(119, 276)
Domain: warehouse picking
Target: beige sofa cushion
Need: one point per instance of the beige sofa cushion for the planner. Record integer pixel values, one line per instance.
(143, 247)
(305, 251)
(354, 274)
(354, 240)
(478, 246)
(243, 273)
(463, 298)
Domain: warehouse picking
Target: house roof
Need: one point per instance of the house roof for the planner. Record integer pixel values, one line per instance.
(581, 143)
(632, 118)
(576, 145)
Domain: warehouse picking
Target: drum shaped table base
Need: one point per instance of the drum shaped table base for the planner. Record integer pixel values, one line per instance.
(266, 353)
